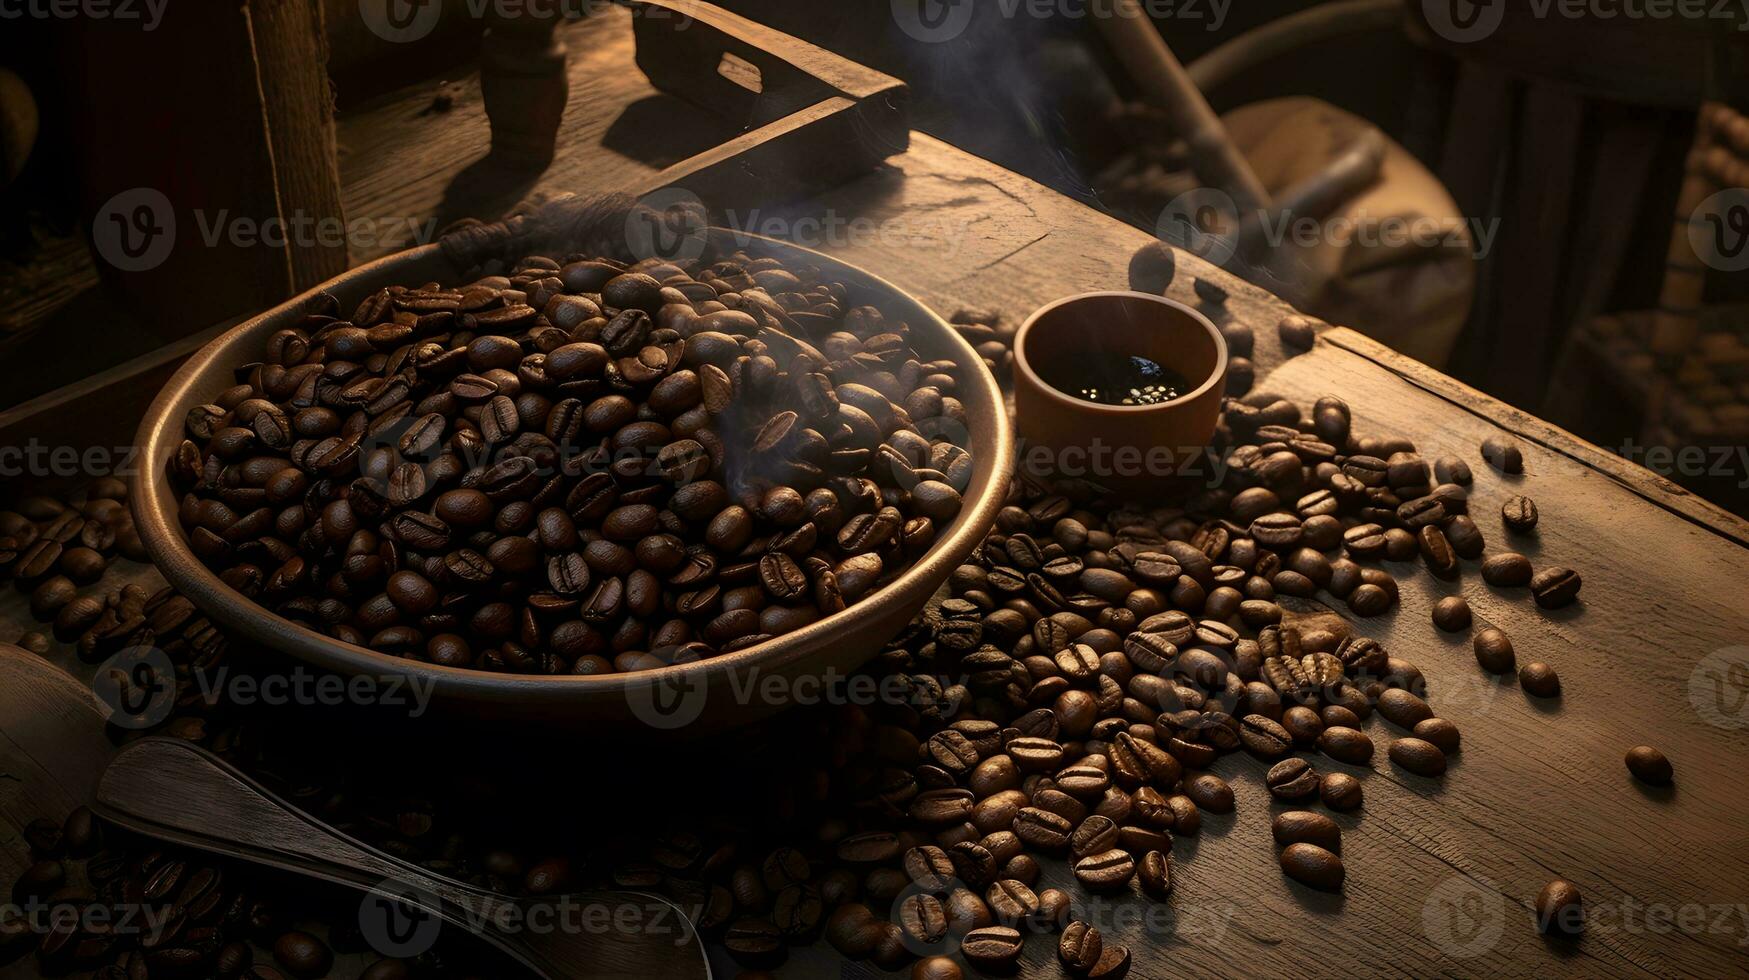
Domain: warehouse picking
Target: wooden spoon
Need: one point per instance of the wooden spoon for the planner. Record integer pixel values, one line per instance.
(175, 791)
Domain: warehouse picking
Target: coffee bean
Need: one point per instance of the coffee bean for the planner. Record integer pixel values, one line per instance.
(1440, 732)
(1559, 908)
(1494, 652)
(1402, 708)
(1346, 745)
(1292, 779)
(1539, 680)
(1649, 765)
(1503, 454)
(1296, 333)
(1519, 514)
(1437, 553)
(303, 955)
(1369, 600)
(1450, 469)
(1418, 756)
(1307, 827)
(1264, 738)
(1105, 871)
(1554, 588)
(1079, 947)
(1452, 614)
(936, 968)
(1507, 570)
(992, 948)
(1340, 791)
(924, 919)
(1209, 792)
(1312, 866)
(755, 941)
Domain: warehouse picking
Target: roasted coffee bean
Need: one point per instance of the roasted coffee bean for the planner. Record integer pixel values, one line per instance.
(924, 919)
(1539, 680)
(992, 948)
(1312, 866)
(1292, 779)
(1264, 738)
(1519, 514)
(1340, 791)
(1559, 908)
(1554, 588)
(1307, 827)
(303, 955)
(1403, 708)
(1209, 792)
(936, 968)
(1346, 745)
(1436, 551)
(1418, 756)
(1507, 570)
(1079, 947)
(1297, 333)
(1649, 765)
(1106, 871)
(1452, 614)
(1440, 732)
(1503, 454)
(1494, 652)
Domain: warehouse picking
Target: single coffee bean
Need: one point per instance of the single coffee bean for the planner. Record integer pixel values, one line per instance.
(1539, 680)
(1105, 871)
(1292, 779)
(1209, 792)
(1369, 600)
(1418, 756)
(936, 968)
(303, 955)
(1503, 454)
(1312, 866)
(1452, 614)
(1437, 553)
(1079, 946)
(1303, 723)
(992, 948)
(1494, 651)
(1519, 514)
(1559, 908)
(1114, 962)
(1554, 588)
(1450, 469)
(1403, 708)
(1649, 765)
(1297, 333)
(1440, 732)
(1264, 738)
(1340, 791)
(1506, 570)
(1346, 745)
(1307, 827)
(1154, 874)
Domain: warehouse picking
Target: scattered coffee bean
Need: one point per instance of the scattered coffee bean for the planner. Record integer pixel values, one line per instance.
(936, 968)
(1452, 614)
(1519, 514)
(1503, 454)
(1649, 765)
(1297, 333)
(1346, 745)
(1494, 651)
(1079, 946)
(992, 948)
(1418, 756)
(1559, 909)
(1440, 732)
(1307, 827)
(1507, 570)
(1292, 779)
(1312, 866)
(1554, 588)
(1340, 791)
(1539, 680)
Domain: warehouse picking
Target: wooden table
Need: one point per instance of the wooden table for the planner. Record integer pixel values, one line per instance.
(1441, 873)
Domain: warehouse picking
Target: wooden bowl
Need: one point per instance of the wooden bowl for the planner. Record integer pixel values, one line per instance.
(687, 699)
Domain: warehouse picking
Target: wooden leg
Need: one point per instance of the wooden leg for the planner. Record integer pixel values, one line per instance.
(523, 79)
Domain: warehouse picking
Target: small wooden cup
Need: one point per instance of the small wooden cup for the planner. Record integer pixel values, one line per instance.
(1141, 452)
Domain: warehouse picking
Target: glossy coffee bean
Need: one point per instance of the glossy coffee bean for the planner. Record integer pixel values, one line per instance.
(1452, 614)
(1555, 588)
(1312, 866)
(1539, 680)
(1559, 908)
(1340, 791)
(1494, 651)
(1649, 765)
(1418, 756)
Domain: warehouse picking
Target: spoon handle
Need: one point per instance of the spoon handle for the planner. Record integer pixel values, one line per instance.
(173, 790)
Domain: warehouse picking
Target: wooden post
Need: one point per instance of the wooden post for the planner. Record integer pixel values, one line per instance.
(291, 52)
(1677, 322)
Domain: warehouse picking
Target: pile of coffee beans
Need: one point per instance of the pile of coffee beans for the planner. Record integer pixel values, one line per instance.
(51, 548)
(579, 466)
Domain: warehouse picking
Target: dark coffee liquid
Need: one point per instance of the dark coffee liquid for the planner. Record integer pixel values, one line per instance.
(1113, 379)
